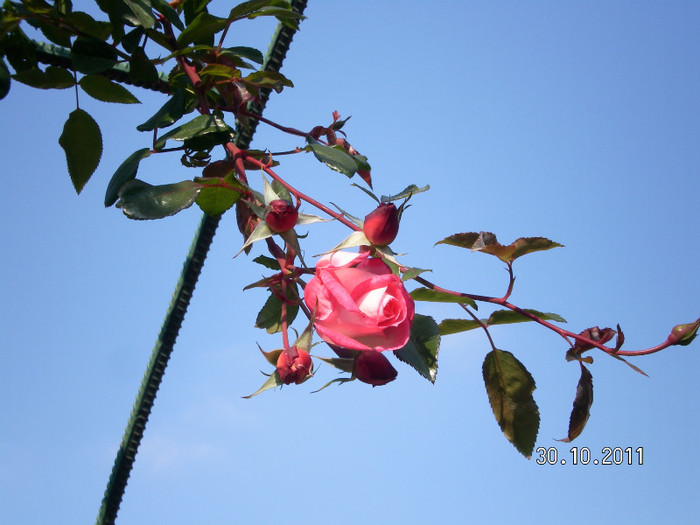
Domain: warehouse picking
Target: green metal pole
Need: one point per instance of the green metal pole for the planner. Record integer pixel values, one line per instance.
(175, 315)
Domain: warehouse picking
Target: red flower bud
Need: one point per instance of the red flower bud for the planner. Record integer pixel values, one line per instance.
(294, 365)
(374, 368)
(281, 216)
(382, 225)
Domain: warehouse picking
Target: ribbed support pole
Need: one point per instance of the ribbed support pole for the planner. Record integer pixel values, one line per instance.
(175, 315)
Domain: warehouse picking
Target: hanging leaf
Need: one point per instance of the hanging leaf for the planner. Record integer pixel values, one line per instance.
(101, 88)
(270, 314)
(201, 30)
(199, 127)
(91, 55)
(53, 78)
(266, 80)
(215, 201)
(141, 69)
(486, 242)
(582, 406)
(336, 158)
(280, 9)
(267, 262)
(139, 14)
(165, 9)
(422, 348)
(169, 113)
(82, 142)
(434, 296)
(249, 53)
(411, 273)
(125, 172)
(510, 317)
(140, 200)
(406, 193)
(455, 326)
(509, 387)
(87, 25)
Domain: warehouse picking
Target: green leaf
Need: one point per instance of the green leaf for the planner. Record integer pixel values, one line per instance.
(455, 326)
(53, 78)
(509, 387)
(82, 142)
(196, 128)
(267, 262)
(268, 80)
(412, 273)
(101, 88)
(272, 382)
(406, 193)
(171, 112)
(509, 317)
(19, 50)
(140, 200)
(170, 14)
(217, 197)
(141, 69)
(139, 14)
(125, 172)
(422, 348)
(582, 406)
(201, 30)
(87, 25)
(53, 33)
(270, 315)
(434, 296)
(249, 53)
(131, 40)
(91, 55)
(486, 242)
(335, 158)
(4, 79)
(253, 7)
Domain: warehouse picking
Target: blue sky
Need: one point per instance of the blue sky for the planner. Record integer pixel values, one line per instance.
(574, 121)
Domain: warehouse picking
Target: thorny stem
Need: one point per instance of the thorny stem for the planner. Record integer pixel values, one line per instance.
(240, 154)
(285, 129)
(564, 333)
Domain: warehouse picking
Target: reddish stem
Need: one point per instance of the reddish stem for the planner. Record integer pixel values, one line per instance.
(564, 333)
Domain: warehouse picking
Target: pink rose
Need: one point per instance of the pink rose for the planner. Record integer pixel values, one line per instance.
(360, 304)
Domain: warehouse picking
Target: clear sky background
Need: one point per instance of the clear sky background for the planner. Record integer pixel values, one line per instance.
(577, 121)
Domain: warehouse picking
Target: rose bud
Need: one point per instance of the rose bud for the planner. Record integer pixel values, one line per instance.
(294, 365)
(374, 368)
(382, 225)
(281, 216)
